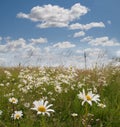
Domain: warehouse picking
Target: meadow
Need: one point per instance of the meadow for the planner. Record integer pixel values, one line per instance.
(59, 97)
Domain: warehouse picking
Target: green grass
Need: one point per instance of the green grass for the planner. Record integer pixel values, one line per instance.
(30, 84)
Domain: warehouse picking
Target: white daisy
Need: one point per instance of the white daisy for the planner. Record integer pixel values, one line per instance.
(17, 115)
(42, 107)
(13, 100)
(101, 105)
(89, 97)
(74, 114)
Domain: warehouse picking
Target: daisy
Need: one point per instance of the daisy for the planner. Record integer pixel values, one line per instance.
(17, 115)
(13, 100)
(101, 105)
(42, 107)
(89, 97)
(74, 114)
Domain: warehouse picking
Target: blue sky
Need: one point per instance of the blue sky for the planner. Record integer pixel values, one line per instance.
(58, 32)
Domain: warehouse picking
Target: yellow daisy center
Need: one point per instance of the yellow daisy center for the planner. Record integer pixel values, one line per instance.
(41, 108)
(13, 100)
(17, 116)
(88, 97)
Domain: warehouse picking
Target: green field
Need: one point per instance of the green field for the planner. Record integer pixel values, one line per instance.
(60, 86)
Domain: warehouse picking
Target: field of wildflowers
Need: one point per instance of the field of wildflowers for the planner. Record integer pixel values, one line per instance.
(59, 97)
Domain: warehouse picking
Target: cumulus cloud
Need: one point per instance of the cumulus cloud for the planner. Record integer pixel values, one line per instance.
(63, 45)
(79, 51)
(31, 51)
(91, 51)
(2, 61)
(52, 24)
(79, 34)
(94, 52)
(118, 53)
(22, 15)
(38, 41)
(102, 41)
(2, 48)
(62, 53)
(54, 15)
(86, 26)
(18, 51)
(48, 49)
(13, 45)
(94, 56)
(87, 39)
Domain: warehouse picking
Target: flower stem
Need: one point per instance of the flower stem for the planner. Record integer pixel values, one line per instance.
(73, 122)
(18, 124)
(86, 114)
(43, 121)
(13, 109)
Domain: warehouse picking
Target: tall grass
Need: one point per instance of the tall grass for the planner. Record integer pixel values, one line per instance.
(60, 86)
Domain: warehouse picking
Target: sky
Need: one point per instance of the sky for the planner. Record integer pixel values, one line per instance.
(59, 32)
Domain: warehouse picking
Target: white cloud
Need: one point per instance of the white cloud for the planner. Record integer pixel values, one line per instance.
(79, 34)
(31, 52)
(52, 24)
(53, 15)
(86, 26)
(79, 51)
(15, 44)
(22, 15)
(94, 52)
(38, 41)
(102, 41)
(91, 52)
(87, 39)
(65, 44)
(118, 53)
(109, 22)
(77, 10)
(47, 49)
(18, 51)
(12, 45)
(2, 48)
(94, 56)
(2, 61)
